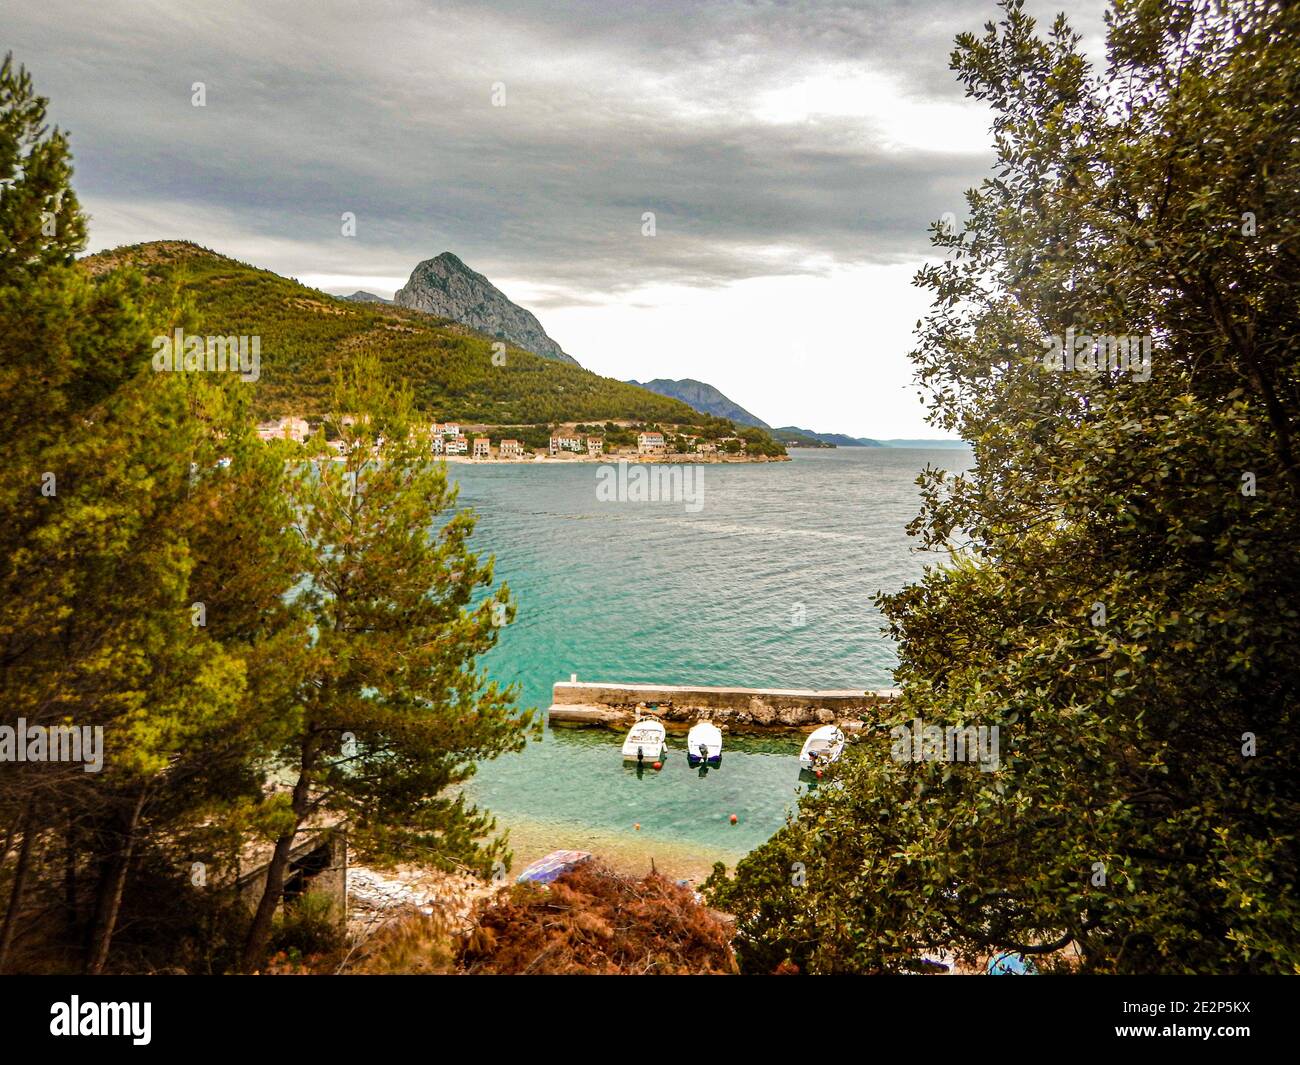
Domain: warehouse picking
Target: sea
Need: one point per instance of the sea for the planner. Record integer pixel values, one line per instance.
(763, 577)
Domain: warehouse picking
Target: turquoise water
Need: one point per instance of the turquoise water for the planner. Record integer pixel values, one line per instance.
(654, 593)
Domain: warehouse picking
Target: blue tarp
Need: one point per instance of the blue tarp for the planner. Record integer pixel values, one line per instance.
(546, 869)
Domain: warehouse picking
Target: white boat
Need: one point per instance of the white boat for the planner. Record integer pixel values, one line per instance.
(645, 742)
(704, 744)
(822, 747)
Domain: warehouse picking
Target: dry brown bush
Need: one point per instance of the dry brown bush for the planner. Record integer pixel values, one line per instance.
(592, 920)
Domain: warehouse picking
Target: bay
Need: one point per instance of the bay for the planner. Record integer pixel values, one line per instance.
(768, 583)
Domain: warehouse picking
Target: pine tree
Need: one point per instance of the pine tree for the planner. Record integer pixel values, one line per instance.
(392, 711)
(115, 517)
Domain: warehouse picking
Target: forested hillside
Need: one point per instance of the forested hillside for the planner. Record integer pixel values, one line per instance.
(306, 336)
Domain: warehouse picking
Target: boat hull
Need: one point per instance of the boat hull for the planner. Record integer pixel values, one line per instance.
(823, 747)
(647, 755)
(704, 745)
(645, 743)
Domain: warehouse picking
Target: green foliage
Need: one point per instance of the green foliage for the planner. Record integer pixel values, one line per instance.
(531, 436)
(220, 612)
(116, 519)
(618, 437)
(307, 926)
(41, 224)
(798, 439)
(1129, 820)
(391, 712)
(398, 626)
(758, 442)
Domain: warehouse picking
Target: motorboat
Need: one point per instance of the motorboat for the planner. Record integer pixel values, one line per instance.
(646, 742)
(704, 744)
(822, 747)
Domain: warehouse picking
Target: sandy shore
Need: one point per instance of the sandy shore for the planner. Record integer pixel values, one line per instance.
(630, 854)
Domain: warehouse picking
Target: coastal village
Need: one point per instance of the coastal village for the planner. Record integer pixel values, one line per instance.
(571, 443)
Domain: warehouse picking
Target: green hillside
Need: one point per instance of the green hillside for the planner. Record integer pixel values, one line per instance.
(306, 335)
(798, 438)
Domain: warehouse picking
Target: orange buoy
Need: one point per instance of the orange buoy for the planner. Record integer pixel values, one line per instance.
(658, 765)
(734, 819)
(637, 826)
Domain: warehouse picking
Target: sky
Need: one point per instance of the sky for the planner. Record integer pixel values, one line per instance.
(792, 154)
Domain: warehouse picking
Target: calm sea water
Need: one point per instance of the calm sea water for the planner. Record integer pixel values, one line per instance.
(653, 593)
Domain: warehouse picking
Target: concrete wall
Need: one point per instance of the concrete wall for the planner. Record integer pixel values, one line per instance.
(679, 706)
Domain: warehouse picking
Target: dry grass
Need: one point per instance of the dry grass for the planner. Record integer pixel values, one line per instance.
(592, 920)
(415, 944)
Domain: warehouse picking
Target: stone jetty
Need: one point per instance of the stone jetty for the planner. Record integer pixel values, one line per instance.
(615, 705)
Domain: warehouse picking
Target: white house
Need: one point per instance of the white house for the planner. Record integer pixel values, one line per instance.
(510, 449)
(595, 445)
(565, 443)
(457, 445)
(649, 443)
(295, 429)
(482, 447)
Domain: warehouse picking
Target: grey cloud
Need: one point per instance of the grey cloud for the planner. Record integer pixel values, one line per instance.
(614, 109)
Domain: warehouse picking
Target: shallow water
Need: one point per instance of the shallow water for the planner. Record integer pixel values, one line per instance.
(769, 584)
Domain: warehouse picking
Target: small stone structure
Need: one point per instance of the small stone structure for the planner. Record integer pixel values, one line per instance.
(318, 863)
(613, 705)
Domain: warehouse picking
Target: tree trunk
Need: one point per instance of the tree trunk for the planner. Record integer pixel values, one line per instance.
(109, 900)
(259, 933)
(9, 840)
(20, 882)
(70, 874)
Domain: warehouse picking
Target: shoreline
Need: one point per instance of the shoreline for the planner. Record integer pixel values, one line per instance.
(630, 853)
(672, 460)
(597, 460)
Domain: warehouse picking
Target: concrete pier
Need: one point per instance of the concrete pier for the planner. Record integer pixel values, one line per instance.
(614, 705)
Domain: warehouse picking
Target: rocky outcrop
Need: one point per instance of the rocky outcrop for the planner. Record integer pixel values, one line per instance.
(445, 286)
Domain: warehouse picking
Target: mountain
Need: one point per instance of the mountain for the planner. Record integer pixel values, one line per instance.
(365, 297)
(445, 286)
(798, 438)
(306, 335)
(834, 439)
(931, 445)
(790, 434)
(704, 398)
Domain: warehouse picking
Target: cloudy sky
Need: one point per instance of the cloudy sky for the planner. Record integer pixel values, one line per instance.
(793, 155)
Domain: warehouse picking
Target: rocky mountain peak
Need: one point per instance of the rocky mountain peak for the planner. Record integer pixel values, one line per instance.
(445, 286)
